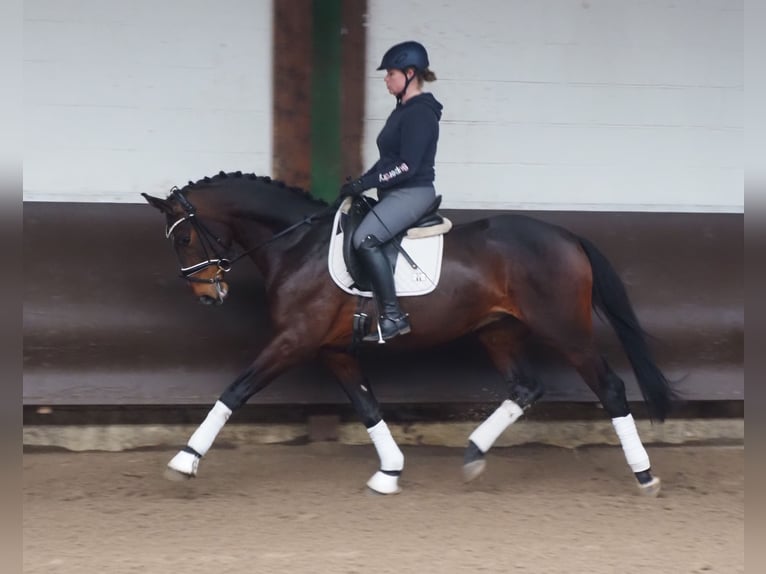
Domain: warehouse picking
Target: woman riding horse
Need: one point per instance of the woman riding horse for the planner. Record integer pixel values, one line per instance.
(404, 176)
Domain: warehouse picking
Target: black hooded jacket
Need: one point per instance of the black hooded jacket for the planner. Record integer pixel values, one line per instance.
(407, 146)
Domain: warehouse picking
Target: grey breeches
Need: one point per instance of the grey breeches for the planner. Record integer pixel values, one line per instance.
(396, 211)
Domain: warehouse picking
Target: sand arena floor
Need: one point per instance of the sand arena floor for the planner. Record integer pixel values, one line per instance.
(304, 509)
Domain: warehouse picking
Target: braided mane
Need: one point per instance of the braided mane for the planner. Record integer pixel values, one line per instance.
(222, 175)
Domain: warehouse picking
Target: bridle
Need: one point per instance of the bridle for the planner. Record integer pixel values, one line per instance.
(208, 239)
(211, 243)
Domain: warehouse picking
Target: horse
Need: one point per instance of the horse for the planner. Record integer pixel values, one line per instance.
(508, 279)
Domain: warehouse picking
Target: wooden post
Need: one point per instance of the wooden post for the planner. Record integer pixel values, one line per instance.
(319, 76)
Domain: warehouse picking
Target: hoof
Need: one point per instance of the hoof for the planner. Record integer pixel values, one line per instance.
(176, 476)
(384, 483)
(651, 488)
(182, 466)
(473, 470)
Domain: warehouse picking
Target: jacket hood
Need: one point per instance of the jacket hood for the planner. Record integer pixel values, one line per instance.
(426, 99)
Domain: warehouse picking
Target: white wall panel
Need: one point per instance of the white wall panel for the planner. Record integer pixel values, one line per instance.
(124, 97)
(577, 104)
(552, 104)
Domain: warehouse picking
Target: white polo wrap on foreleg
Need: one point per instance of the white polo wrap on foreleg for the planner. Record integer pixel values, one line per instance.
(488, 431)
(203, 437)
(391, 458)
(634, 451)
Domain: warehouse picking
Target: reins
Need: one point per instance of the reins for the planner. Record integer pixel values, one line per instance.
(308, 220)
(223, 263)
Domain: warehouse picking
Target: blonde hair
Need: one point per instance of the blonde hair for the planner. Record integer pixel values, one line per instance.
(427, 75)
(421, 76)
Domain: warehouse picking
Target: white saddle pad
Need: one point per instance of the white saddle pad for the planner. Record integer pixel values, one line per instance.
(426, 252)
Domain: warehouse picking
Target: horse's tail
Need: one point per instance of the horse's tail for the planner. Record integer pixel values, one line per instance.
(610, 297)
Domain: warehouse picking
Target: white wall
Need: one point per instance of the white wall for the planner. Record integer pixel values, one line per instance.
(576, 104)
(125, 96)
(549, 104)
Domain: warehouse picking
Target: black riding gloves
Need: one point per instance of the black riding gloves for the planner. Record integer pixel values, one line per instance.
(352, 188)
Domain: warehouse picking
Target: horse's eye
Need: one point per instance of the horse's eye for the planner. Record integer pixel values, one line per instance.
(185, 240)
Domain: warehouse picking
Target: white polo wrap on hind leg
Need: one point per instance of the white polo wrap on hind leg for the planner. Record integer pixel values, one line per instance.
(488, 431)
(391, 458)
(634, 451)
(203, 437)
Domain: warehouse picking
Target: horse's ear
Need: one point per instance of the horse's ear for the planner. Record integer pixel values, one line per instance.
(158, 203)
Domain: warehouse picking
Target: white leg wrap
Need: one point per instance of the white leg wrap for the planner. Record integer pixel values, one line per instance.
(384, 484)
(488, 431)
(185, 463)
(391, 458)
(203, 437)
(634, 451)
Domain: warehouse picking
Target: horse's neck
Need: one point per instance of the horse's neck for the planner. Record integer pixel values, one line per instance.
(265, 213)
(278, 206)
(304, 247)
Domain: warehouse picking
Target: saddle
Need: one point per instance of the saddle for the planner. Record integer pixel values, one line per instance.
(432, 223)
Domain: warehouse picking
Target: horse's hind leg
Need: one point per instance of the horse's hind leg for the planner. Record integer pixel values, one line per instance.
(503, 342)
(610, 390)
(346, 369)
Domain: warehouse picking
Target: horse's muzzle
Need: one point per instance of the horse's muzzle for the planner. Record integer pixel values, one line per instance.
(217, 298)
(208, 300)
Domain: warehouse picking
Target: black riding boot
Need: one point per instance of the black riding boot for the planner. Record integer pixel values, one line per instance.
(392, 320)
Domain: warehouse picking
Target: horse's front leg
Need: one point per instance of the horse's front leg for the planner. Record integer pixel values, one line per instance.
(346, 369)
(283, 352)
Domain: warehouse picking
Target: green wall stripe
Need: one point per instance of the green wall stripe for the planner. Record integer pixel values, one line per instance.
(325, 99)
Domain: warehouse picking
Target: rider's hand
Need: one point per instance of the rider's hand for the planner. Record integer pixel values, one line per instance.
(351, 188)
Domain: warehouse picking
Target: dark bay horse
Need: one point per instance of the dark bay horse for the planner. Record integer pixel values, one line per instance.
(507, 278)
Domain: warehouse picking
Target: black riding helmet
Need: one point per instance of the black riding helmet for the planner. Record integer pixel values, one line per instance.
(405, 55)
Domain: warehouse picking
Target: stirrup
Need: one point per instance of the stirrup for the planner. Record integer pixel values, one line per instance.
(399, 326)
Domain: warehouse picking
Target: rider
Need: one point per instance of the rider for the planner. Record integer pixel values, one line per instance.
(403, 176)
